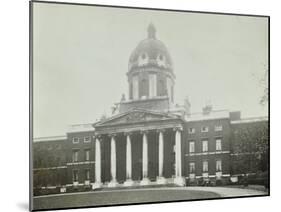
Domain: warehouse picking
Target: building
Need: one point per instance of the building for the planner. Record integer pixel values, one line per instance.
(149, 139)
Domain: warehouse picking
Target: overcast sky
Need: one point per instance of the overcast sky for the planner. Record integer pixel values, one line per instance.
(81, 58)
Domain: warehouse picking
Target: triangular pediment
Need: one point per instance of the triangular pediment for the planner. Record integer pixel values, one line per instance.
(136, 116)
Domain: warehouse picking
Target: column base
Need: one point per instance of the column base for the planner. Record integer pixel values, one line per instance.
(145, 181)
(161, 180)
(128, 182)
(179, 181)
(112, 184)
(96, 185)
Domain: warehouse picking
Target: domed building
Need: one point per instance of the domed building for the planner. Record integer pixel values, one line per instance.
(148, 140)
(150, 76)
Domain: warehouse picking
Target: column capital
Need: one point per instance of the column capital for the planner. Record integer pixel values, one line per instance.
(160, 130)
(97, 136)
(144, 132)
(112, 135)
(179, 128)
(128, 133)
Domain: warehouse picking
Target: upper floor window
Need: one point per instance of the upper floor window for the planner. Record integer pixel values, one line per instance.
(204, 129)
(205, 146)
(87, 139)
(75, 140)
(218, 166)
(87, 154)
(75, 175)
(191, 130)
(205, 166)
(191, 146)
(218, 144)
(191, 167)
(75, 155)
(218, 128)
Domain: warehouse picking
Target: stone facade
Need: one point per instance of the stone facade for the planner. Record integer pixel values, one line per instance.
(149, 140)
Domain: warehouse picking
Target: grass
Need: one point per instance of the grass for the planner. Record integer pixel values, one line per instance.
(118, 197)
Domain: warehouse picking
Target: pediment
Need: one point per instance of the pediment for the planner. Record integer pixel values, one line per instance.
(136, 116)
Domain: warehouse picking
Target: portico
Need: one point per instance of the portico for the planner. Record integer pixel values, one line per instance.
(149, 150)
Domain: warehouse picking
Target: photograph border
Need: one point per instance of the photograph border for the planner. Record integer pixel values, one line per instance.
(133, 8)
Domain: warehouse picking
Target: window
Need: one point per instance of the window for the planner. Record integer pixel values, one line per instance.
(218, 144)
(218, 128)
(191, 146)
(87, 154)
(87, 174)
(75, 140)
(87, 139)
(191, 130)
(204, 129)
(75, 176)
(75, 155)
(205, 146)
(152, 85)
(135, 87)
(218, 166)
(205, 166)
(191, 167)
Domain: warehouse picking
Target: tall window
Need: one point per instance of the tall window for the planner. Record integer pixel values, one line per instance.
(75, 176)
(204, 129)
(218, 166)
(75, 140)
(205, 146)
(191, 167)
(218, 144)
(135, 87)
(191, 146)
(75, 155)
(152, 85)
(87, 154)
(87, 174)
(205, 166)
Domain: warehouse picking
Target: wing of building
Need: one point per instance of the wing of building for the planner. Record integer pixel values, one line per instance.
(148, 139)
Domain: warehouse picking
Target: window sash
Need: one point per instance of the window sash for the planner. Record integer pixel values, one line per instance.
(218, 166)
(191, 146)
(205, 166)
(218, 144)
(204, 146)
(192, 167)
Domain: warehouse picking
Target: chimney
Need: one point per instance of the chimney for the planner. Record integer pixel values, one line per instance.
(207, 109)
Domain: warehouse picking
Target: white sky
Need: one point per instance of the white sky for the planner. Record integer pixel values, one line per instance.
(81, 57)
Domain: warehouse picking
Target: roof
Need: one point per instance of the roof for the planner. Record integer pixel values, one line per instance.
(50, 138)
(219, 114)
(81, 128)
(250, 120)
(152, 48)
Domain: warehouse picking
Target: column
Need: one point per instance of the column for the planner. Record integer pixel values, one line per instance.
(113, 181)
(98, 182)
(178, 179)
(161, 179)
(145, 180)
(129, 181)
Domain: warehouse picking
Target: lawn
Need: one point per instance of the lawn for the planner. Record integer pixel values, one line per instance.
(115, 197)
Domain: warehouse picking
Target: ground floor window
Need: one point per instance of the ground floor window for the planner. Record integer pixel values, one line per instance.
(75, 175)
(191, 167)
(218, 166)
(87, 174)
(205, 166)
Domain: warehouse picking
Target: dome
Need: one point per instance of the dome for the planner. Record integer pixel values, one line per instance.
(151, 52)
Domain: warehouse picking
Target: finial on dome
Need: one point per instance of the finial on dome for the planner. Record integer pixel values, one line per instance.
(151, 30)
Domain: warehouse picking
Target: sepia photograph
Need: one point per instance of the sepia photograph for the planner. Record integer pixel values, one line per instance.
(139, 105)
